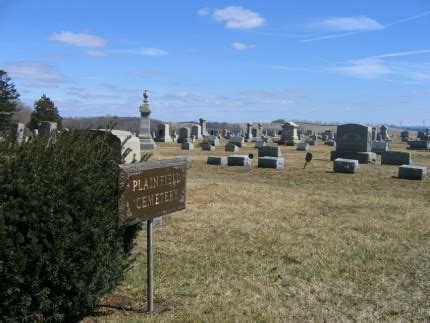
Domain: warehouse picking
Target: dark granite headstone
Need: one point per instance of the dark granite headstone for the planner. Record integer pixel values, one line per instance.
(354, 138)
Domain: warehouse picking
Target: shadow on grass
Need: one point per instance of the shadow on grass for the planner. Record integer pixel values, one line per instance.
(121, 308)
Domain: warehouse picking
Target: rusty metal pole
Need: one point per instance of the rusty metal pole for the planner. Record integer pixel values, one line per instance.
(150, 268)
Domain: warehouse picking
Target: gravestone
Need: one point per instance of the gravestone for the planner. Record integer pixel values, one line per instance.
(217, 160)
(404, 135)
(330, 143)
(269, 151)
(211, 139)
(184, 135)
(260, 129)
(342, 165)
(239, 160)
(146, 141)
(329, 135)
(396, 158)
(271, 133)
(46, 128)
(310, 142)
(374, 133)
(231, 148)
(384, 132)
(271, 162)
(270, 157)
(237, 140)
(196, 131)
(276, 139)
(289, 133)
(302, 146)
(128, 141)
(174, 136)
(203, 129)
(354, 142)
(208, 147)
(412, 172)
(248, 135)
(163, 133)
(254, 132)
(259, 144)
(379, 146)
(17, 132)
(419, 145)
(187, 146)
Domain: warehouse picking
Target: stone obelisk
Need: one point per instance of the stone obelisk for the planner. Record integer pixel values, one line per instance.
(146, 141)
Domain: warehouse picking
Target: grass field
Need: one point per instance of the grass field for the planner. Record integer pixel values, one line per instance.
(274, 245)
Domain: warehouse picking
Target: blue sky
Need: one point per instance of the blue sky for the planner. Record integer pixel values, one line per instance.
(362, 61)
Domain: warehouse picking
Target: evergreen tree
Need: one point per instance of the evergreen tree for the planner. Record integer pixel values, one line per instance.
(44, 110)
(8, 97)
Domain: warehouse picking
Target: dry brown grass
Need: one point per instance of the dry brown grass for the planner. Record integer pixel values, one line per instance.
(274, 245)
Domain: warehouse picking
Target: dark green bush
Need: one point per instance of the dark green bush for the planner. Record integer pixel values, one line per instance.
(61, 248)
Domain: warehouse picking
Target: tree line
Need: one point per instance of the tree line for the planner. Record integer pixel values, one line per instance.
(10, 106)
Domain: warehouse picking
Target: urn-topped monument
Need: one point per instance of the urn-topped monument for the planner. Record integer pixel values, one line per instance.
(146, 141)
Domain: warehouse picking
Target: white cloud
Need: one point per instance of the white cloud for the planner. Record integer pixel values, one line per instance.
(144, 51)
(78, 39)
(349, 24)
(331, 36)
(241, 46)
(356, 26)
(151, 74)
(238, 18)
(97, 53)
(376, 68)
(34, 70)
(368, 68)
(153, 52)
(203, 12)
(406, 53)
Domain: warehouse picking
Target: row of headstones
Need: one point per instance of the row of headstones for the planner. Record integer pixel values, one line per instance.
(129, 142)
(422, 142)
(163, 133)
(20, 134)
(382, 135)
(290, 134)
(354, 141)
(354, 144)
(268, 157)
(406, 171)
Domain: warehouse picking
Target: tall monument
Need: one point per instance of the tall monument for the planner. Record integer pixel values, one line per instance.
(146, 141)
(203, 127)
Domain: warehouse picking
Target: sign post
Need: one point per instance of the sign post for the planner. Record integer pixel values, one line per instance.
(150, 268)
(151, 189)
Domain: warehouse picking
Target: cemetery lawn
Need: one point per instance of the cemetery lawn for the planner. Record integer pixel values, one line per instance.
(292, 244)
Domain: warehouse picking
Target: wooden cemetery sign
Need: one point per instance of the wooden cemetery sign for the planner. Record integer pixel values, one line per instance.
(152, 189)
